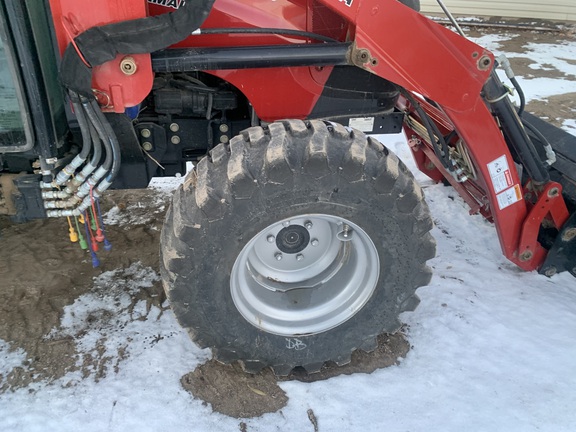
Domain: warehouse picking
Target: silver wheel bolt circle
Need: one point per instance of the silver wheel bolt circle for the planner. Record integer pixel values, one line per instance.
(299, 257)
(270, 238)
(314, 242)
(278, 256)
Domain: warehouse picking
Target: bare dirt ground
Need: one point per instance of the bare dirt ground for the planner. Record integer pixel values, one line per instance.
(41, 273)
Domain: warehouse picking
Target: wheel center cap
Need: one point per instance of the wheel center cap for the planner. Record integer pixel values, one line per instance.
(292, 239)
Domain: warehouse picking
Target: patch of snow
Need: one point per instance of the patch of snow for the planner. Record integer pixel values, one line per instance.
(559, 56)
(9, 359)
(140, 212)
(492, 41)
(166, 184)
(570, 126)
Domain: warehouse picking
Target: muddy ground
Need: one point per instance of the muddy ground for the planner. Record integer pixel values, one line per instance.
(41, 272)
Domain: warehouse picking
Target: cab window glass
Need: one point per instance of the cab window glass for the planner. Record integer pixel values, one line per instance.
(11, 122)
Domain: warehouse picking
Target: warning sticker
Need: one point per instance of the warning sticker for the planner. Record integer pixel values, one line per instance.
(509, 197)
(500, 174)
(364, 124)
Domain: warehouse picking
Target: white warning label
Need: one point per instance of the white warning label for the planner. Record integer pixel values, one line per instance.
(500, 174)
(364, 124)
(509, 197)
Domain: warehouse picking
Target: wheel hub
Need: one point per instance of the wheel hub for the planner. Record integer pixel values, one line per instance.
(292, 239)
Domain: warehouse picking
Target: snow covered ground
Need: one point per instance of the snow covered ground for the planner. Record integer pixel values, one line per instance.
(493, 348)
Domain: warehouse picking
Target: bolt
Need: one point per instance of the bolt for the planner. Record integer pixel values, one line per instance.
(308, 225)
(278, 256)
(526, 256)
(346, 231)
(223, 139)
(175, 139)
(299, 257)
(569, 234)
(145, 133)
(314, 242)
(224, 128)
(128, 66)
(550, 271)
(345, 234)
(147, 146)
(174, 127)
(553, 192)
(286, 223)
(484, 63)
(270, 238)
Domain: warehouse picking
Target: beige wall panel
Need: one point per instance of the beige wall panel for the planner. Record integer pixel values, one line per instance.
(559, 10)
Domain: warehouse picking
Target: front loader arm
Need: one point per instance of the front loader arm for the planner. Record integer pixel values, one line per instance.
(402, 46)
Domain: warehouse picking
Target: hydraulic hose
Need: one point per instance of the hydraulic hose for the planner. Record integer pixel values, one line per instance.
(442, 152)
(69, 169)
(113, 140)
(521, 96)
(100, 44)
(550, 154)
(97, 154)
(100, 130)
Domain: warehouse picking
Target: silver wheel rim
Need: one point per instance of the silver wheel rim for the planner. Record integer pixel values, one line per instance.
(304, 275)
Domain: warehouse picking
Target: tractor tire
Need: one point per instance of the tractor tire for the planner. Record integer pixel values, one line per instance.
(295, 244)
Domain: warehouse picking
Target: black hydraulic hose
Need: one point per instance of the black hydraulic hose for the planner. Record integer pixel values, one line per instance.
(94, 119)
(84, 129)
(536, 132)
(550, 154)
(432, 130)
(521, 96)
(97, 154)
(114, 144)
(100, 44)
(269, 31)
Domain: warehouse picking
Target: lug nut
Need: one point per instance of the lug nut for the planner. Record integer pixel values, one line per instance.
(308, 225)
(145, 133)
(286, 223)
(299, 257)
(314, 242)
(278, 256)
(270, 238)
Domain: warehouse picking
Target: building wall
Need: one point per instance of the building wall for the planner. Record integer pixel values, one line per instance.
(558, 10)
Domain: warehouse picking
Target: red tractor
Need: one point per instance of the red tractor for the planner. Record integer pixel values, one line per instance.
(297, 238)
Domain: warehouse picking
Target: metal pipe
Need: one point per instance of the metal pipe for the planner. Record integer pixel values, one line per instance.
(268, 56)
(451, 18)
